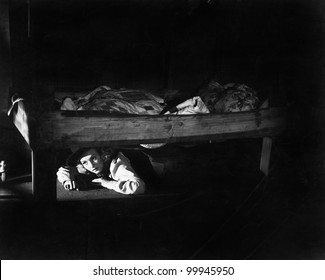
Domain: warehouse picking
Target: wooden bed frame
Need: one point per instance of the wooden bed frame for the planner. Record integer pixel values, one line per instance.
(48, 131)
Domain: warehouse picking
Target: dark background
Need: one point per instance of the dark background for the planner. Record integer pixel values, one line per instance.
(172, 44)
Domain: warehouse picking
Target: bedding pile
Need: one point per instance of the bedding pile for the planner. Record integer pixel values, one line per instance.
(214, 98)
(127, 101)
(231, 97)
(130, 101)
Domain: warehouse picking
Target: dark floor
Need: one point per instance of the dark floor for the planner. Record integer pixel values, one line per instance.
(239, 215)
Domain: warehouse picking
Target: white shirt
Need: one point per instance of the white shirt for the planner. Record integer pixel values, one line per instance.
(127, 181)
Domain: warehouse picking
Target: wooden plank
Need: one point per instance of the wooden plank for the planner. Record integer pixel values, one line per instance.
(266, 155)
(67, 128)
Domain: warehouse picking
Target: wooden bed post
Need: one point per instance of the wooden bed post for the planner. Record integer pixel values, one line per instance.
(266, 147)
(266, 155)
(43, 174)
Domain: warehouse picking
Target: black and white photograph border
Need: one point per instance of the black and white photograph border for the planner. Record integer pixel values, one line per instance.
(222, 157)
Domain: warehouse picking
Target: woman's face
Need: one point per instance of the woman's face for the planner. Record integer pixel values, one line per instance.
(92, 161)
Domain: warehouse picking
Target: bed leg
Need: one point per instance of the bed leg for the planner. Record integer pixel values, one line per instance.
(43, 175)
(266, 155)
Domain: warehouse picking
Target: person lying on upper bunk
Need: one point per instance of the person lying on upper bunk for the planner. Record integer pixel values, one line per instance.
(103, 168)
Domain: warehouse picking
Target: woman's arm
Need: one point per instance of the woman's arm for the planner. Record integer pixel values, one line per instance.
(64, 177)
(125, 180)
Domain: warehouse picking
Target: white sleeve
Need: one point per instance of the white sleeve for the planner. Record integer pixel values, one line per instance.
(128, 182)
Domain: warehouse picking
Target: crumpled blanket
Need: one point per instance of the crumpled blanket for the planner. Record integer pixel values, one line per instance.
(127, 101)
(231, 97)
(131, 101)
(214, 98)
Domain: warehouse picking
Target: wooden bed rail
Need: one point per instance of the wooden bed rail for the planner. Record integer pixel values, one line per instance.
(67, 128)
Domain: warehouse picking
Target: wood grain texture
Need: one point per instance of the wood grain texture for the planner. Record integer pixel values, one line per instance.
(67, 128)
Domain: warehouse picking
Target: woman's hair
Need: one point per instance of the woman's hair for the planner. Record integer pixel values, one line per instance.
(106, 154)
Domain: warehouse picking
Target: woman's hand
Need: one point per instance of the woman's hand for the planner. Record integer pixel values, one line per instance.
(63, 175)
(108, 184)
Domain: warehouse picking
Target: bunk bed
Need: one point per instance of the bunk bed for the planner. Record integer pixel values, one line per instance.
(49, 131)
